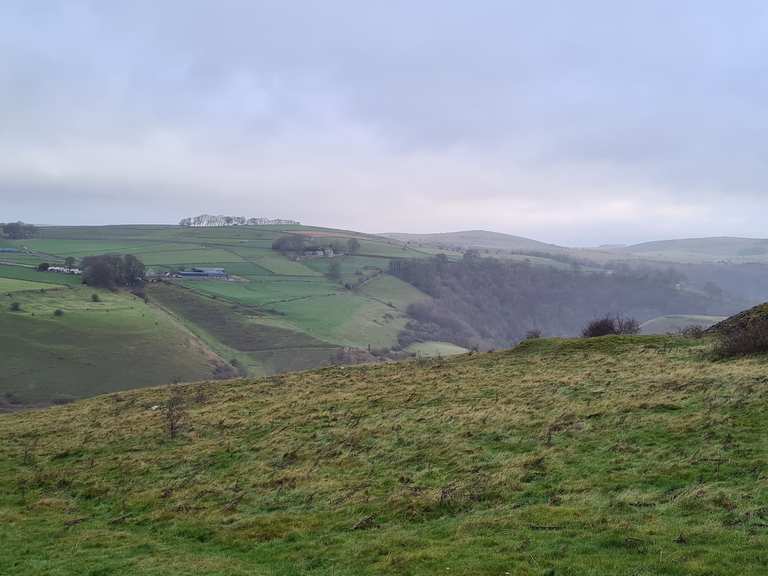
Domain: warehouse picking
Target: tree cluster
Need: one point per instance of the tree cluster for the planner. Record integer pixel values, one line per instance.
(290, 243)
(221, 220)
(487, 303)
(296, 243)
(112, 270)
(611, 326)
(18, 230)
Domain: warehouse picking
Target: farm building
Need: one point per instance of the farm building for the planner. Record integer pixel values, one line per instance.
(326, 252)
(203, 273)
(8, 250)
(64, 270)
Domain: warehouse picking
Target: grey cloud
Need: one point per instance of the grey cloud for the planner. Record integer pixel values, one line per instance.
(573, 122)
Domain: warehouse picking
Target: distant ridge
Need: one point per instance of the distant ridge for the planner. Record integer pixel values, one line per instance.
(479, 239)
(698, 249)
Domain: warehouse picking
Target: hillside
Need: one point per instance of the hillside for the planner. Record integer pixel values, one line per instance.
(275, 312)
(91, 347)
(478, 239)
(702, 250)
(741, 320)
(503, 245)
(632, 455)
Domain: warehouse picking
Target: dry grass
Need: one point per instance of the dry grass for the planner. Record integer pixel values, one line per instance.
(607, 456)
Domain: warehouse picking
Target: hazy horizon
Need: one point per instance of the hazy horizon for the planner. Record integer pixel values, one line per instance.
(578, 125)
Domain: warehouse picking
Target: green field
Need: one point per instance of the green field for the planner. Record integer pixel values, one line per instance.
(263, 343)
(10, 285)
(93, 347)
(32, 275)
(619, 455)
(276, 314)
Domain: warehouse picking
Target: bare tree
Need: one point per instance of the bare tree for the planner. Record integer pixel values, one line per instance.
(174, 413)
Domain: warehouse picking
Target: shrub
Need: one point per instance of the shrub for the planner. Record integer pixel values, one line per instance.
(692, 331)
(627, 326)
(611, 325)
(43, 267)
(58, 312)
(95, 298)
(15, 307)
(241, 369)
(744, 340)
(174, 412)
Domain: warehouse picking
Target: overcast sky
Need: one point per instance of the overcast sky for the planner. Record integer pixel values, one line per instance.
(572, 122)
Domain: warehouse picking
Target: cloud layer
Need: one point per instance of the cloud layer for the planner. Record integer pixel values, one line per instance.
(577, 123)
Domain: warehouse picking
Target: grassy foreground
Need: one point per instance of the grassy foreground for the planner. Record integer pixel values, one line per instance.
(632, 456)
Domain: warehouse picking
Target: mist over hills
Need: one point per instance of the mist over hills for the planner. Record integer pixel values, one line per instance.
(684, 250)
(478, 239)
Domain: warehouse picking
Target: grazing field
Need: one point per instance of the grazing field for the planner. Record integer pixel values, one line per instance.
(243, 332)
(10, 285)
(676, 322)
(618, 455)
(32, 275)
(92, 347)
(273, 302)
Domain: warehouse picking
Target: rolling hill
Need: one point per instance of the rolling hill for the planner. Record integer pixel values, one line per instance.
(507, 245)
(702, 250)
(618, 455)
(61, 345)
(479, 239)
(275, 313)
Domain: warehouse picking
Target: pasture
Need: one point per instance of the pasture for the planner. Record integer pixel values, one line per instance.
(10, 285)
(32, 275)
(295, 294)
(276, 314)
(93, 347)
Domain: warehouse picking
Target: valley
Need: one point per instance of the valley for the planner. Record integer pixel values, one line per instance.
(277, 311)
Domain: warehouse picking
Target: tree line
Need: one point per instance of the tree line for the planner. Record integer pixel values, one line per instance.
(297, 243)
(112, 271)
(18, 230)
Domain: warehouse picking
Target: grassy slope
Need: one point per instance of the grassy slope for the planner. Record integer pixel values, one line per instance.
(32, 275)
(263, 344)
(496, 244)
(10, 285)
(95, 347)
(298, 296)
(611, 456)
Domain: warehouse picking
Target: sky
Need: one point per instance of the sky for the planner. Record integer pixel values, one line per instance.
(580, 123)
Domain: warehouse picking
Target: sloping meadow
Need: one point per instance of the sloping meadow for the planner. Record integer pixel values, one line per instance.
(618, 455)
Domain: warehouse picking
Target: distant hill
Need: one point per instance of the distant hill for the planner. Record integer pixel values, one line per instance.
(497, 243)
(702, 249)
(617, 455)
(480, 239)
